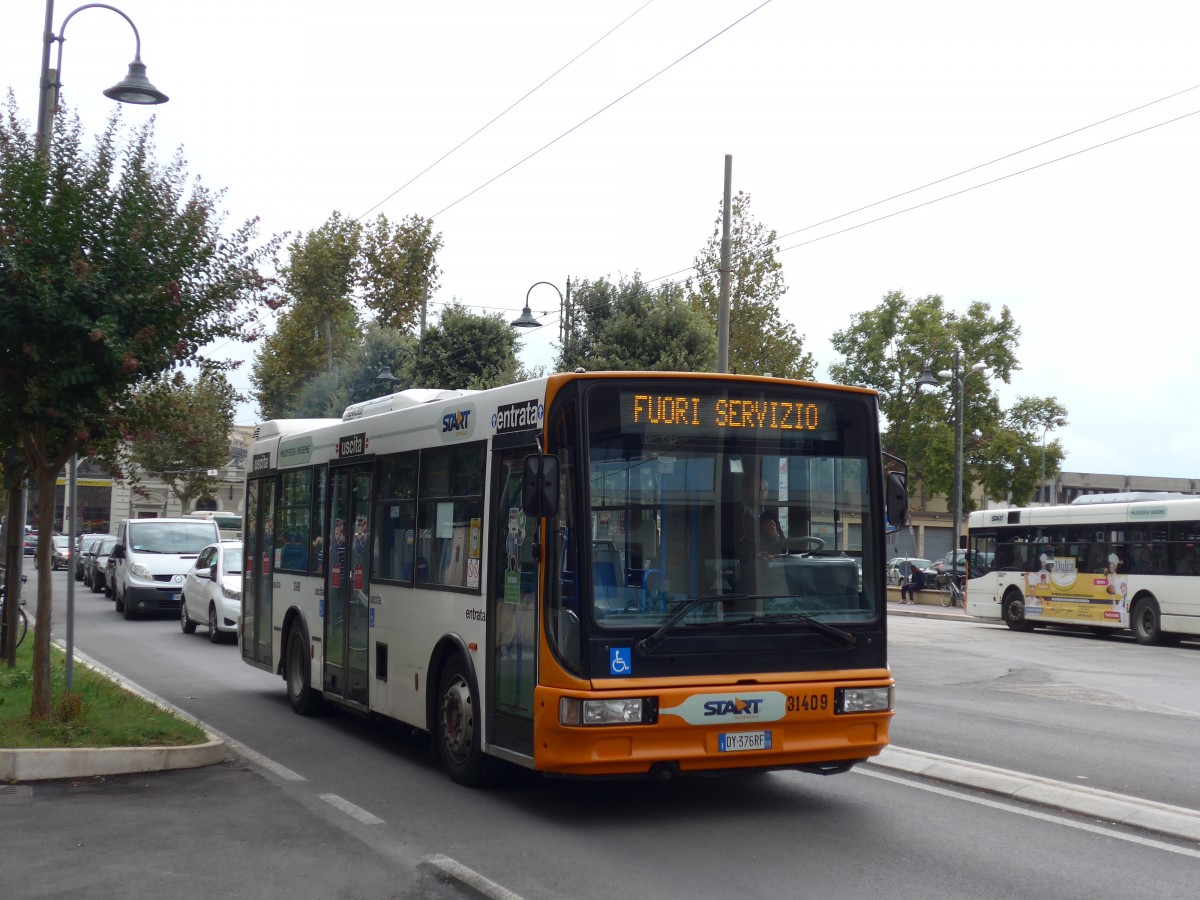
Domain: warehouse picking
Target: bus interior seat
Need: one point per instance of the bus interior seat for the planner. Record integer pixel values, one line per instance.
(606, 566)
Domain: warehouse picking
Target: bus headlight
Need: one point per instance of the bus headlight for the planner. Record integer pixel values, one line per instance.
(862, 700)
(615, 711)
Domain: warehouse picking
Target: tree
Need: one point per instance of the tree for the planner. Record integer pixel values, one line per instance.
(760, 341)
(628, 326)
(113, 270)
(885, 348)
(332, 275)
(399, 268)
(181, 432)
(466, 350)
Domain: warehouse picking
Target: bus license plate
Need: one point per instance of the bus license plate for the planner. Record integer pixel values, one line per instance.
(733, 741)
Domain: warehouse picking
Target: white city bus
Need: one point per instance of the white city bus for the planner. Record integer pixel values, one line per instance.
(1118, 561)
(558, 573)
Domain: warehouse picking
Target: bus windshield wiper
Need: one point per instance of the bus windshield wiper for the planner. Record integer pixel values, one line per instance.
(647, 644)
(843, 637)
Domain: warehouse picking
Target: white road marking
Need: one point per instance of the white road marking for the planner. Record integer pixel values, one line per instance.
(1034, 814)
(472, 878)
(350, 809)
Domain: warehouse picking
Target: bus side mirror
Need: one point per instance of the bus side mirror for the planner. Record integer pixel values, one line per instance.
(539, 495)
(896, 500)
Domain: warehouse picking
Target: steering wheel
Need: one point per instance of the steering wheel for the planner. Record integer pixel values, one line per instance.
(784, 543)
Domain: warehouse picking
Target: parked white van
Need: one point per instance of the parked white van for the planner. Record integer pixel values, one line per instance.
(151, 559)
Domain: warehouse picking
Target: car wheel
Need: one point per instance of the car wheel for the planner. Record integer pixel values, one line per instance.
(214, 634)
(120, 600)
(127, 610)
(93, 586)
(458, 726)
(185, 621)
(298, 671)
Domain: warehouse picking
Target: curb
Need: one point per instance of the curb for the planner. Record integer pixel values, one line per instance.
(84, 762)
(894, 609)
(1147, 815)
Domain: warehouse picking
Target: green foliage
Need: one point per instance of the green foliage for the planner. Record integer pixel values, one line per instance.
(886, 348)
(114, 269)
(760, 341)
(465, 350)
(630, 327)
(332, 273)
(181, 431)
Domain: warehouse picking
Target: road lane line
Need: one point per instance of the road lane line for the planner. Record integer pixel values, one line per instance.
(1033, 814)
(350, 809)
(473, 879)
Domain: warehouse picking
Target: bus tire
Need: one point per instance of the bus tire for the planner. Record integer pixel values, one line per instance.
(457, 727)
(1146, 622)
(298, 674)
(1013, 608)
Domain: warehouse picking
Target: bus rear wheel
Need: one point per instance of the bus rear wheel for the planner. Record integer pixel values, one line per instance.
(298, 674)
(1014, 612)
(1146, 621)
(457, 730)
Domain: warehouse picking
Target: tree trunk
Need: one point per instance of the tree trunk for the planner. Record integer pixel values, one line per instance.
(42, 691)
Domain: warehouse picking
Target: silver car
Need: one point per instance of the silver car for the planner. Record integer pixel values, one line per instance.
(212, 591)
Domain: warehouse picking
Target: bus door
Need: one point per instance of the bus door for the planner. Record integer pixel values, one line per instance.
(347, 584)
(512, 603)
(256, 568)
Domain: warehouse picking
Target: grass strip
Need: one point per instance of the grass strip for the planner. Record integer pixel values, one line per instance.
(97, 713)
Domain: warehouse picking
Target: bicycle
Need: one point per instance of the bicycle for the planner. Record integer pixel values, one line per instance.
(950, 587)
(22, 619)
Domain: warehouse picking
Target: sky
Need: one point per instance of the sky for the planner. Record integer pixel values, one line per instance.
(1043, 156)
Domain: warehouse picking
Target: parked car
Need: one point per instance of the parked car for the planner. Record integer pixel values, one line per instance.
(899, 569)
(30, 542)
(152, 559)
(81, 553)
(97, 577)
(212, 592)
(60, 556)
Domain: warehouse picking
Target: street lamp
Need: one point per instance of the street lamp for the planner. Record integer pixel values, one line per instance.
(1056, 421)
(928, 379)
(135, 87)
(526, 319)
(385, 379)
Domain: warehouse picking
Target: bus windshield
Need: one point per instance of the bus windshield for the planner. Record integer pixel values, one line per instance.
(760, 496)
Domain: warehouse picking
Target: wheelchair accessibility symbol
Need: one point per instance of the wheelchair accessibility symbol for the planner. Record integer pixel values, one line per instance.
(620, 661)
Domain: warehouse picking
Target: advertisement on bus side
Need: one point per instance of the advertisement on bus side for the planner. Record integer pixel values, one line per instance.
(1059, 591)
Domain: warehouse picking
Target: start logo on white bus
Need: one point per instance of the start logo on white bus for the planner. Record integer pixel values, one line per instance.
(707, 709)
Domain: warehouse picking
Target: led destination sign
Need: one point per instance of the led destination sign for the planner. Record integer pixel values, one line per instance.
(659, 413)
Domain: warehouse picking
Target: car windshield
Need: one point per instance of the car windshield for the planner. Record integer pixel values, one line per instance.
(104, 547)
(62, 543)
(173, 537)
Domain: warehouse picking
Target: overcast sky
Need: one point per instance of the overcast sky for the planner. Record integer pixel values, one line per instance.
(615, 164)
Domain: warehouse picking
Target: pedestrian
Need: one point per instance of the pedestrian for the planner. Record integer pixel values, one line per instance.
(915, 583)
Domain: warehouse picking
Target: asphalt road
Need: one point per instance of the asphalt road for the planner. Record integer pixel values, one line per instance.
(1050, 704)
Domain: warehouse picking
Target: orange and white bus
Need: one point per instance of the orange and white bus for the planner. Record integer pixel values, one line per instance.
(1106, 562)
(574, 574)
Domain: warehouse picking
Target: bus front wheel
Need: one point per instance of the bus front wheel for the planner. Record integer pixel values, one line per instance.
(459, 720)
(1146, 621)
(1014, 612)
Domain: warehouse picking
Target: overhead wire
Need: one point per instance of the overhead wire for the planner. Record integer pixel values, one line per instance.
(482, 128)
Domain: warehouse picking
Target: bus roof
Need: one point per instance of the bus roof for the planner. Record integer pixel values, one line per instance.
(1171, 507)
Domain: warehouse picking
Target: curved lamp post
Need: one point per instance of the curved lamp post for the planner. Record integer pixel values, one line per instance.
(928, 379)
(1057, 421)
(385, 379)
(135, 87)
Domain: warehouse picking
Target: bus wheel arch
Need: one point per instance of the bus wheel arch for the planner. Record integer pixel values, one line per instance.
(1013, 609)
